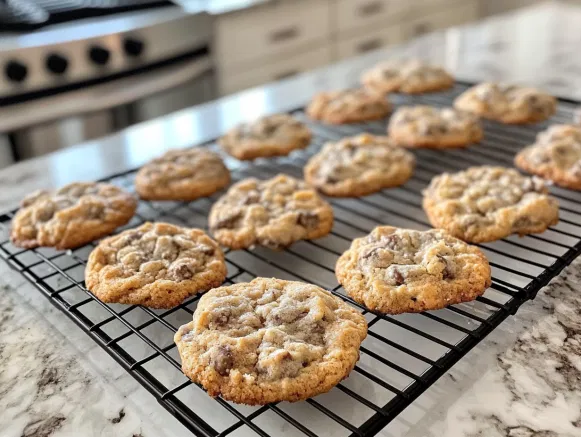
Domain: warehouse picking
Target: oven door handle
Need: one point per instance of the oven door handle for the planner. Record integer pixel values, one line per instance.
(101, 97)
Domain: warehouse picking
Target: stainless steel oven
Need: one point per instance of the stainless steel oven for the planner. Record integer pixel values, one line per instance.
(78, 77)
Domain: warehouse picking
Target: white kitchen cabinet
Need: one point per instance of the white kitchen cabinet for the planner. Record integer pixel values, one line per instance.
(370, 40)
(365, 14)
(249, 37)
(449, 14)
(279, 39)
(264, 73)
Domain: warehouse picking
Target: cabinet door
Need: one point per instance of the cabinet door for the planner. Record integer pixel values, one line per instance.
(450, 14)
(261, 32)
(360, 14)
(368, 41)
(231, 82)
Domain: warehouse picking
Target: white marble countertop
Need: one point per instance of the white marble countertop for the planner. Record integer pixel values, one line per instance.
(523, 380)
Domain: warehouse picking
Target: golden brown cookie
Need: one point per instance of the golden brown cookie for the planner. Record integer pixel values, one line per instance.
(273, 135)
(489, 203)
(157, 265)
(71, 216)
(406, 76)
(184, 174)
(270, 340)
(509, 104)
(438, 128)
(273, 213)
(556, 155)
(358, 166)
(348, 106)
(397, 271)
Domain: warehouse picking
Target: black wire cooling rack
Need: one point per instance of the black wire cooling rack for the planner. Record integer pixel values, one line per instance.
(402, 356)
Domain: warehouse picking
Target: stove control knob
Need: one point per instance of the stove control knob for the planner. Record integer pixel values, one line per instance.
(15, 71)
(133, 47)
(99, 55)
(56, 63)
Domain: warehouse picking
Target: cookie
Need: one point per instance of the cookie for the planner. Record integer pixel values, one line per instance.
(270, 340)
(348, 106)
(489, 203)
(438, 128)
(406, 76)
(358, 166)
(509, 104)
(273, 213)
(157, 265)
(274, 135)
(71, 216)
(186, 174)
(397, 271)
(556, 155)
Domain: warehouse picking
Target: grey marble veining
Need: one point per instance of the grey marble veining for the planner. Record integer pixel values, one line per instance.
(45, 390)
(533, 388)
(524, 380)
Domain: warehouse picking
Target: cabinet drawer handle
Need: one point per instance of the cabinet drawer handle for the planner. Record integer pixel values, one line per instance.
(370, 8)
(286, 74)
(284, 34)
(367, 46)
(422, 28)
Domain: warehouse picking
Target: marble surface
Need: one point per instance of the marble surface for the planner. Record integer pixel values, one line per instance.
(523, 380)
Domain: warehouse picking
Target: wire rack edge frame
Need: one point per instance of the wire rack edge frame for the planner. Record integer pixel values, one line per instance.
(199, 426)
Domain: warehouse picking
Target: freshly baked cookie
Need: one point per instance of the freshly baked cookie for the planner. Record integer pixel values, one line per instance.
(270, 340)
(273, 213)
(509, 104)
(489, 203)
(71, 216)
(397, 271)
(156, 265)
(556, 155)
(185, 174)
(348, 106)
(274, 135)
(438, 128)
(406, 76)
(358, 166)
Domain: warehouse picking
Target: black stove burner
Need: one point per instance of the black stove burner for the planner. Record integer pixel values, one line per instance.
(25, 15)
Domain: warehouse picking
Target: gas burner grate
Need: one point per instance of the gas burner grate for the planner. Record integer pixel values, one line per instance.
(402, 356)
(27, 15)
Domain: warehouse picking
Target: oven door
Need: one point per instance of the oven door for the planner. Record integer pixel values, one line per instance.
(43, 125)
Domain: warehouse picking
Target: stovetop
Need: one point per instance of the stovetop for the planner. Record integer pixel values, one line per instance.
(26, 15)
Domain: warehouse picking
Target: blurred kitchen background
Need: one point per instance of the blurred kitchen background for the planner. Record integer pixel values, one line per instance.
(75, 70)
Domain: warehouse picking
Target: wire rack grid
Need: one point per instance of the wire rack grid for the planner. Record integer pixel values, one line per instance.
(402, 356)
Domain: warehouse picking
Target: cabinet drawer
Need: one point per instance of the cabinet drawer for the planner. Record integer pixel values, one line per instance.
(233, 81)
(363, 13)
(362, 43)
(265, 31)
(452, 15)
